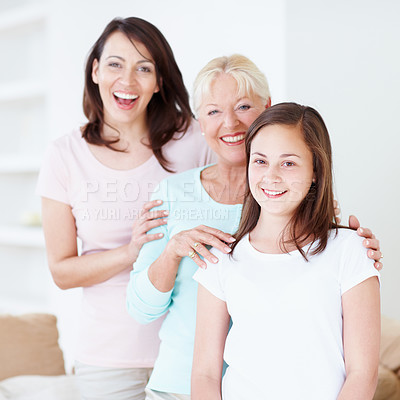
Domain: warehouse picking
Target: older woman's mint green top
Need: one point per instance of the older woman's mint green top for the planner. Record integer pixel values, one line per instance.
(189, 205)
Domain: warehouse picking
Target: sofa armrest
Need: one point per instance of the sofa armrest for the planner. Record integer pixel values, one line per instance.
(390, 344)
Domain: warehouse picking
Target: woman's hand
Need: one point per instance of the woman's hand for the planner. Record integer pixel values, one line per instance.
(370, 242)
(192, 243)
(147, 220)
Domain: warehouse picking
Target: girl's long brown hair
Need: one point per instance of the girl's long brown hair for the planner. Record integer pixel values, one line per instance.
(168, 111)
(315, 216)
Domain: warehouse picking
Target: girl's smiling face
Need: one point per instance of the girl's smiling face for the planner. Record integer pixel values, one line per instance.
(280, 169)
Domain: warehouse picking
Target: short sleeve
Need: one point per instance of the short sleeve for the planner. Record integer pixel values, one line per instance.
(189, 150)
(203, 155)
(355, 267)
(53, 177)
(211, 277)
(208, 157)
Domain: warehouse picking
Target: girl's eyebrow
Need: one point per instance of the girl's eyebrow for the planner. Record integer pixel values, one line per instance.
(281, 156)
(290, 155)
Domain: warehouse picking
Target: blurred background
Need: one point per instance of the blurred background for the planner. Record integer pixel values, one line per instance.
(342, 57)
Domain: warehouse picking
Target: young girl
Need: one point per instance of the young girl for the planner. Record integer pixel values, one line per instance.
(303, 298)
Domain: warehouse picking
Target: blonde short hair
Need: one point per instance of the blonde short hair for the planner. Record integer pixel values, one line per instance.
(251, 81)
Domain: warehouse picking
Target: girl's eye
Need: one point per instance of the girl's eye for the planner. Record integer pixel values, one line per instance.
(258, 161)
(288, 163)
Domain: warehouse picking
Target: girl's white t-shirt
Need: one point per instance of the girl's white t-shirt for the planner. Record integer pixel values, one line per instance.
(286, 336)
(105, 203)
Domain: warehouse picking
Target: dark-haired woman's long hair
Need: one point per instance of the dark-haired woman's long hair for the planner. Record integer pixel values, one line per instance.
(315, 216)
(168, 111)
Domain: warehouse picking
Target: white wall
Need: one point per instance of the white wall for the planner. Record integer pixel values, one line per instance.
(196, 31)
(343, 58)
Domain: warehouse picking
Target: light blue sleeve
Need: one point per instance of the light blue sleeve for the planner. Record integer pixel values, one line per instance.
(144, 302)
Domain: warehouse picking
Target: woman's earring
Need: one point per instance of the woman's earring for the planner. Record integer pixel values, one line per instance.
(203, 134)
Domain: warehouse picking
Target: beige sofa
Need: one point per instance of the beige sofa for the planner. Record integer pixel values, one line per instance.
(31, 361)
(32, 364)
(389, 369)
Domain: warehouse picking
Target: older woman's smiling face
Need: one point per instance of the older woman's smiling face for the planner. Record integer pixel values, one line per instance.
(225, 116)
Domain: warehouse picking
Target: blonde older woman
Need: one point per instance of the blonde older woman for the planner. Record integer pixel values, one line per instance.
(204, 206)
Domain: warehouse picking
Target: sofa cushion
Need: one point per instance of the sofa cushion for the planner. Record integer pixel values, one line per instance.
(390, 344)
(29, 346)
(388, 385)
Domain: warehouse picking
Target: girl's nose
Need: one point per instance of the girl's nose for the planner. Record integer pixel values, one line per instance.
(272, 174)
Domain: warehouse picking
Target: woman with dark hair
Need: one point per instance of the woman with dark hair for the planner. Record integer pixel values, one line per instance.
(167, 111)
(96, 184)
(297, 286)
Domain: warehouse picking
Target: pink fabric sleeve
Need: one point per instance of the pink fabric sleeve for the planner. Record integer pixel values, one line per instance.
(53, 177)
(190, 150)
(205, 155)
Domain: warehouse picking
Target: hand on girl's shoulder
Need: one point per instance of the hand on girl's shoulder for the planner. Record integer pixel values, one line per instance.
(347, 235)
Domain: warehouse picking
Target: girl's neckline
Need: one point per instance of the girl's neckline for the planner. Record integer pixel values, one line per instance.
(294, 253)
